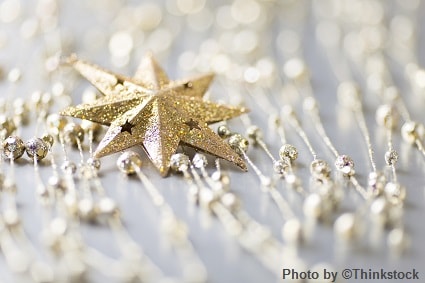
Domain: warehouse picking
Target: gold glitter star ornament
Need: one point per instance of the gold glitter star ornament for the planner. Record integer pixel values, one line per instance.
(150, 110)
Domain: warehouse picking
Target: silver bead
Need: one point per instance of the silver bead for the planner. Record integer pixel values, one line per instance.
(295, 69)
(386, 116)
(71, 204)
(57, 183)
(231, 201)
(288, 152)
(254, 133)
(69, 167)
(379, 210)
(313, 206)
(349, 95)
(292, 231)
(129, 162)
(199, 160)
(395, 193)
(206, 199)
(412, 131)
(13, 147)
(223, 179)
(58, 226)
(345, 227)
(223, 131)
(36, 148)
(86, 209)
(106, 207)
(73, 133)
(238, 143)
(179, 162)
(398, 241)
(345, 164)
(320, 169)
(11, 218)
(292, 180)
(87, 171)
(310, 104)
(391, 157)
(42, 272)
(14, 75)
(376, 183)
(9, 185)
(94, 163)
(281, 167)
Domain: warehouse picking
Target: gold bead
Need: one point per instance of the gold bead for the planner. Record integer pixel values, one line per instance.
(36, 148)
(13, 147)
(391, 157)
(395, 193)
(94, 163)
(86, 209)
(230, 201)
(386, 116)
(7, 125)
(320, 169)
(254, 133)
(238, 143)
(55, 124)
(73, 134)
(95, 128)
(281, 167)
(21, 112)
(48, 139)
(106, 207)
(128, 162)
(69, 167)
(11, 218)
(412, 131)
(288, 152)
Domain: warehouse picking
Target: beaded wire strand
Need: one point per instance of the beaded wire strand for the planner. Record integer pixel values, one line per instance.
(174, 228)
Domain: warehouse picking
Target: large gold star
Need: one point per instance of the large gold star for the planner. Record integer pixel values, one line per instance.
(150, 110)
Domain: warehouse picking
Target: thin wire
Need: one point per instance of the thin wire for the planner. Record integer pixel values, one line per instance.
(315, 117)
(297, 126)
(358, 112)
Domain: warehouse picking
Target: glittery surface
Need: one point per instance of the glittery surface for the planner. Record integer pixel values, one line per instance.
(150, 110)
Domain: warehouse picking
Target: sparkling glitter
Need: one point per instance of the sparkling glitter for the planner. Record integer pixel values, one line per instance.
(159, 111)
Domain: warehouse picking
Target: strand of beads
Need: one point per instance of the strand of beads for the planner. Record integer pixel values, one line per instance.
(251, 235)
(172, 227)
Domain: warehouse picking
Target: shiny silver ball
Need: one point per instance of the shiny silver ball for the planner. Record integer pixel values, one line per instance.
(288, 152)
